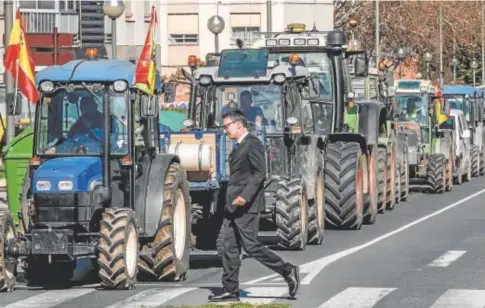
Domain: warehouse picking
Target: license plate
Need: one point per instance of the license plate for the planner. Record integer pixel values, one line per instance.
(52, 242)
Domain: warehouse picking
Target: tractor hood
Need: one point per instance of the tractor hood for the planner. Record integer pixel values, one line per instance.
(67, 174)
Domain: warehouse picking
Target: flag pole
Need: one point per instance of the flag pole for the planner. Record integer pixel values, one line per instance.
(9, 83)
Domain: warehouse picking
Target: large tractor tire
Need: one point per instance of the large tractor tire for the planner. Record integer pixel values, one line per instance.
(436, 173)
(39, 272)
(475, 160)
(291, 214)
(316, 212)
(482, 160)
(344, 176)
(370, 208)
(8, 267)
(381, 180)
(468, 173)
(166, 258)
(404, 177)
(25, 203)
(391, 166)
(118, 249)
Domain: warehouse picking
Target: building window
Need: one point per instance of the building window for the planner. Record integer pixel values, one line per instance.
(38, 5)
(67, 5)
(247, 34)
(183, 39)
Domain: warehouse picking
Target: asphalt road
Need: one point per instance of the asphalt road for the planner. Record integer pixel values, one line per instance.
(428, 252)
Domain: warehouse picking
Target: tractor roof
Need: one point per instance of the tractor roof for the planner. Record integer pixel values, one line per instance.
(460, 90)
(103, 70)
(414, 86)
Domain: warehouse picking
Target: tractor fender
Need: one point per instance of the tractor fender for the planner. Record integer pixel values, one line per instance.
(372, 115)
(311, 161)
(348, 137)
(155, 190)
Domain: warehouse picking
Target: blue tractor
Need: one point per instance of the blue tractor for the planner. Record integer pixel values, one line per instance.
(98, 185)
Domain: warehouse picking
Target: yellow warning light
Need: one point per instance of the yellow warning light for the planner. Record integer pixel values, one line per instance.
(296, 28)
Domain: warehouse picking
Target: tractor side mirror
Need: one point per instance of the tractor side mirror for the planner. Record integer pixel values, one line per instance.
(312, 89)
(149, 106)
(361, 65)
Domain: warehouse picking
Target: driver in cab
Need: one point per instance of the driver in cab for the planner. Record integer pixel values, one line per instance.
(90, 119)
(253, 114)
(414, 110)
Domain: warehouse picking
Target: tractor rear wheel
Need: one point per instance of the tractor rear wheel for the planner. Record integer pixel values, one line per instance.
(118, 249)
(344, 198)
(475, 160)
(7, 267)
(381, 179)
(436, 173)
(167, 257)
(370, 211)
(291, 214)
(316, 212)
(391, 165)
(449, 172)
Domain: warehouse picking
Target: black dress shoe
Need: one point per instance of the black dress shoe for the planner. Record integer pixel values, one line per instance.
(293, 280)
(224, 297)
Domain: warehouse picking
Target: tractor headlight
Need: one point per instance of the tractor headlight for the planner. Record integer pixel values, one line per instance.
(205, 80)
(43, 185)
(313, 42)
(280, 78)
(299, 41)
(120, 85)
(292, 121)
(65, 185)
(47, 86)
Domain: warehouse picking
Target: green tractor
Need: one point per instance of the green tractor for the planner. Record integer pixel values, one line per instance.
(470, 100)
(326, 55)
(422, 116)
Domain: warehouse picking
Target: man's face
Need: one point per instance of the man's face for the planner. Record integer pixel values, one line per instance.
(231, 128)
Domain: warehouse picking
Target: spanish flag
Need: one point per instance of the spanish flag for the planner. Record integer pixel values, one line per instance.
(146, 70)
(24, 72)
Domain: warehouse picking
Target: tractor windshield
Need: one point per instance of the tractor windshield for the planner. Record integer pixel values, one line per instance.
(459, 102)
(260, 103)
(318, 63)
(72, 123)
(413, 107)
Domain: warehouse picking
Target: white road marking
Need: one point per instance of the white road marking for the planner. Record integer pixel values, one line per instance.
(49, 298)
(263, 295)
(313, 268)
(455, 298)
(446, 259)
(151, 298)
(357, 298)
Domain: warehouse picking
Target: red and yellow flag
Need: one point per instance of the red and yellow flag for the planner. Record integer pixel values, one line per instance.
(146, 70)
(18, 50)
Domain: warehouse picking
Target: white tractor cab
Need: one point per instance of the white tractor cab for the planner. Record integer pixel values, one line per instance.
(462, 143)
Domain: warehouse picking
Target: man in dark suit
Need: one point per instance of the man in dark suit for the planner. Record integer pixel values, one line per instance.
(244, 203)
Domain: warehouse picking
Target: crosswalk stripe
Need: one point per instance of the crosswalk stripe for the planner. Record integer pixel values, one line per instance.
(457, 298)
(49, 298)
(263, 295)
(151, 298)
(357, 298)
(446, 259)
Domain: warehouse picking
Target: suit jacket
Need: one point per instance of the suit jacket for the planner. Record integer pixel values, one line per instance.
(247, 166)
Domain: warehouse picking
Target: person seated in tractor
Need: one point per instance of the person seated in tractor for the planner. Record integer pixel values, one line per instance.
(253, 114)
(415, 110)
(86, 134)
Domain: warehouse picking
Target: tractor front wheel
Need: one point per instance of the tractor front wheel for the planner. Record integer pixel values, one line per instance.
(7, 266)
(167, 257)
(118, 249)
(316, 214)
(475, 160)
(291, 215)
(436, 173)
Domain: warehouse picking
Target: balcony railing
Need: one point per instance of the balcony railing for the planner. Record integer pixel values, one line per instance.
(44, 22)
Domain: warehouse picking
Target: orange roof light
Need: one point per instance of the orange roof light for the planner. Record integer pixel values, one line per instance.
(91, 52)
(294, 59)
(192, 61)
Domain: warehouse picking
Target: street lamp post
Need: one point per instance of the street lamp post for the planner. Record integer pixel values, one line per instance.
(401, 54)
(427, 59)
(216, 25)
(454, 63)
(474, 66)
(113, 9)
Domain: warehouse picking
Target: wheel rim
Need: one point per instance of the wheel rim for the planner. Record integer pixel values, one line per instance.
(393, 176)
(320, 203)
(131, 248)
(179, 225)
(304, 214)
(374, 179)
(358, 189)
(10, 266)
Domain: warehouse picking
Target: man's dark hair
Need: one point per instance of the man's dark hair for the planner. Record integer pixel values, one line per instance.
(237, 116)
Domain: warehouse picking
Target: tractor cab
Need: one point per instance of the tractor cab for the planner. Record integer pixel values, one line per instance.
(467, 99)
(413, 100)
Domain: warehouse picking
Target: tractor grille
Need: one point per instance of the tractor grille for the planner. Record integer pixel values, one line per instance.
(67, 208)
